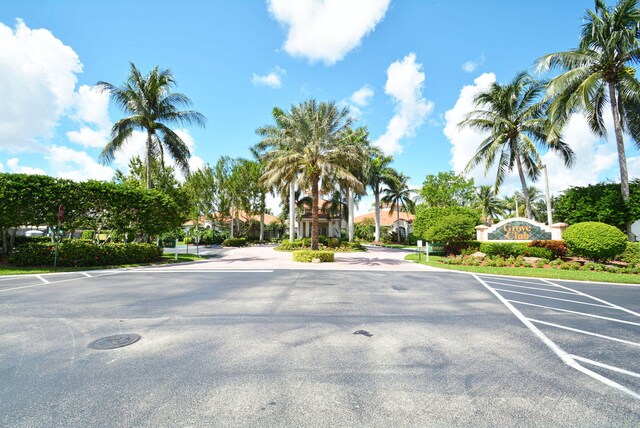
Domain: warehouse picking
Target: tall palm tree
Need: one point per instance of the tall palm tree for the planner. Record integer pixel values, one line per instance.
(399, 197)
(152, 108)
(490, 205)
(311, 144)
(600, 72)
(514, 117)
(379, 174)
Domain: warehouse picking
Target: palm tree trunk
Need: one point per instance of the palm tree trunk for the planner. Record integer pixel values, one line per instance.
(349, 214)
(398, 219)
(149, 158)
(262, 208)
(315, 224)
(231, 221)
(376, 196)
(292, 211)
(523, 182)
(622, 157)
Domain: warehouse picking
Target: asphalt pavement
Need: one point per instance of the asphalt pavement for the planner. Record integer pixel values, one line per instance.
(263, 347)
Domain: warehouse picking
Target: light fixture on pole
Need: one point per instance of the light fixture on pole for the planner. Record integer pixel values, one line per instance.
(548, 195)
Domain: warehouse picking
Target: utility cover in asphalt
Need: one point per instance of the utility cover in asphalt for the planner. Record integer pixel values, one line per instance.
(113, 342)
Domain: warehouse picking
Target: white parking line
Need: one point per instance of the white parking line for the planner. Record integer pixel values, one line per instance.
(562, 354)
(212, 271)
(86, 274)
(553, 298)
(533, 288)
(514, 279)
(42, 279)
(606, 366)
(55, 282)
(589, 333)
(629, 311)
(575, 312)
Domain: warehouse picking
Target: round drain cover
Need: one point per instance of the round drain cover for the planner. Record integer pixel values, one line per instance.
(113, 342)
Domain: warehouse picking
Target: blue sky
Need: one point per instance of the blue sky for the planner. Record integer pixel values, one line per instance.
(409, 68)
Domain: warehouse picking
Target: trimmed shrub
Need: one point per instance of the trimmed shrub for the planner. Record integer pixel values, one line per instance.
(289, 246)
(22, 240)
(503, 249)
(595, 241)
(558, 248)
(306, 242)
(351, 246)
(234, 242)
(631, 254)
(458, 247)
(87, 234)
(307, 256)
(543, 253)
(78, 252)
(333, 243)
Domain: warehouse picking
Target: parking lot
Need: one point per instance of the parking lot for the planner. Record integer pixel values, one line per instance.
(268, 347)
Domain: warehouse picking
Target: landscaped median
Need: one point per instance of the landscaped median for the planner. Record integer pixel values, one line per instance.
(313, 256)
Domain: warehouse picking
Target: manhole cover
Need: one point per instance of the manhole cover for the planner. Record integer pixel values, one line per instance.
(363, 332)
(116, 341)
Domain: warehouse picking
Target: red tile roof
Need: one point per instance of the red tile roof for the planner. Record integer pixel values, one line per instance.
(386, 219)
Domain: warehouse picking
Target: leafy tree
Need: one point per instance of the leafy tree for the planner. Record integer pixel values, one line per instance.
(600, 72)
(379, 174)
(451, 228)
(448, 189)
(365, 229)
(399, 196)
(309, 144)
(600, 202)
(426, 217)
(514, 117)
(152, 107)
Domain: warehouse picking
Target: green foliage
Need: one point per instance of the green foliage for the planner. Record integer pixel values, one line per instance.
(541, 252)
(211, 236)
(558, 248)
(426, 217)
(290, 246)
(95, 205)
(307, 256)
(453, 227)
(600, 202)
(87, 234)
(448, 189)
(459, 247)
(595, 241)
(333, 243)
(631, 254)
(234, 242)
(503, 249)
(78, 252)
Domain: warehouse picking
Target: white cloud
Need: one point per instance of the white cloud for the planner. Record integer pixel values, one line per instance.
(405, 81)
(362, 96)
(272, 80)
(14, 166)
(37, 81)
(76, 165)
(1, 167)
(471, 65)
(326, 30)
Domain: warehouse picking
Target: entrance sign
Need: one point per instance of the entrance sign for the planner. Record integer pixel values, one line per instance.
(519, 229)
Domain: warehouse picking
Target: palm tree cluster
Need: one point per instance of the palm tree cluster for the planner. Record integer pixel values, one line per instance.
(527, 113)
(313, 146)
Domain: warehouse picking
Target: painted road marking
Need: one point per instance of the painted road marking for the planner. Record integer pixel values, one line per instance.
(606, 366)
(42, 279)
(629, 311)
(562, 354)
(553, 298)
(169, 270)
(533, 288)
(513, 279)
(86, 274)
(575, 312)
(56, 282)
(590, 333)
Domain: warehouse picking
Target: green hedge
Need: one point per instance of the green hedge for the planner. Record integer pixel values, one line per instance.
(558, 248)
(595, 241)
(458, 247)
(290, 246)
(307, 256)
(631, 254)
(503, 249)
(234, 242)
(82, 253)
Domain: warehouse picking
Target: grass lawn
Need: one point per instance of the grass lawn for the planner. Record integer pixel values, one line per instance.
(166, 259)
(533, 272)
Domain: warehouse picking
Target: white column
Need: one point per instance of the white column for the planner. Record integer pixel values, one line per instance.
(351, 206)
